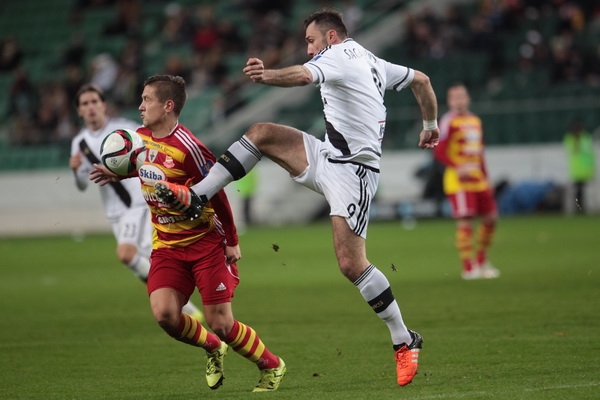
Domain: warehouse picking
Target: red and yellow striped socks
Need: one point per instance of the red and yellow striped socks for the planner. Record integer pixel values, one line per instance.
(192, 332)
(485, 235)
(245, 341)
(464, 244)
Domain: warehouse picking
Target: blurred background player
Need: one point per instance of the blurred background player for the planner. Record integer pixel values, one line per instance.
(189, 254)
(579, 146)
(124, 205)
(466, 183)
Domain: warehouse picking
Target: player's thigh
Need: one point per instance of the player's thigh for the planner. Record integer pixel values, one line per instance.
(349, 190)
(170, 269)
(486, 205)
(464, 204)
(215, 279)
(282, 144)
(166, 302)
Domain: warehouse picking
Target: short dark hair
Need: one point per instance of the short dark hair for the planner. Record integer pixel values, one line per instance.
(326, 19)
(89, 87)
(169, 87)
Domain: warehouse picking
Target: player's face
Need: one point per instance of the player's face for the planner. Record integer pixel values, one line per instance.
(152, 110)
(315, 40)
(92, 110)
(458, 99)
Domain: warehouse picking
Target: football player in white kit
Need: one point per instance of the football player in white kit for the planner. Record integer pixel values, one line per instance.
(344, 167)
(124, 205)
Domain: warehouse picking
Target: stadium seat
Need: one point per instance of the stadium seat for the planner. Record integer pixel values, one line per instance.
(43, 31)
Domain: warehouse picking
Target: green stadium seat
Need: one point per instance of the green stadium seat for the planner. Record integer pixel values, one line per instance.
(43, 31)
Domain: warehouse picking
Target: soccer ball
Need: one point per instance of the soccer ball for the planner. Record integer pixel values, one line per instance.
(123, 151)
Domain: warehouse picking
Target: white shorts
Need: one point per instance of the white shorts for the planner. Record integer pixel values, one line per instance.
(135, 228)
(348, 187)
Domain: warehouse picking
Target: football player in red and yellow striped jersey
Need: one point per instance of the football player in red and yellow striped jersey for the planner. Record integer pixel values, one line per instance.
(188, 254)
(466, 184)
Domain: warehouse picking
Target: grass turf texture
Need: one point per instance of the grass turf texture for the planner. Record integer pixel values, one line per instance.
(77, 325)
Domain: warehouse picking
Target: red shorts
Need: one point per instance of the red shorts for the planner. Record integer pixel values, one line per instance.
(472, 204)
(202, 264)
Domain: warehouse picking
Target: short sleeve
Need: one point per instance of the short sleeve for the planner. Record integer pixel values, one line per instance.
(324, 67)
(397, 76)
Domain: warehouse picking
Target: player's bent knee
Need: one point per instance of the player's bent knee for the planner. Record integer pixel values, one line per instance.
(266, 133)
(219, 326)
(166, 318)
(126, 253)
(168, 322)
(258, 132)
(220, 331)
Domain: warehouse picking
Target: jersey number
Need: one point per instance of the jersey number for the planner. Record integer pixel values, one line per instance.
(378, 81)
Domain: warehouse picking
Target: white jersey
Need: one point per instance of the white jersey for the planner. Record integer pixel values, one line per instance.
(353, 83)
(119, 197)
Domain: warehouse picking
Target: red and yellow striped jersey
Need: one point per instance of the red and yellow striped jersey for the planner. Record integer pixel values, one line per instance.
(461, 147)
(183, 159)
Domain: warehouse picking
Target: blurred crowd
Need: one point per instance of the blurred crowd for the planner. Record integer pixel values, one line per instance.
(43, 112)
(552, 36)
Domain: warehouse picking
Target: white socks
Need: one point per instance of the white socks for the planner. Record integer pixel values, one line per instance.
(140, 267)
(239, 158)
(375, 289)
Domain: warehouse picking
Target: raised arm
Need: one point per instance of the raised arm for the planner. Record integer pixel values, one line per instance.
(297, 75)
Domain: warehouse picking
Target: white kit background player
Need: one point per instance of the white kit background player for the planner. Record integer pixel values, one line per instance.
(344, 167)
(124, 205)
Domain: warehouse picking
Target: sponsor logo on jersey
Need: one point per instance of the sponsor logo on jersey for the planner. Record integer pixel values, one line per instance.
(149, 195)
(149, 174)
(171, 219)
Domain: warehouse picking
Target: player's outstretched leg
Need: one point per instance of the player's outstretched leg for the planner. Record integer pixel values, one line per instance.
(234, 164)
(407, 359)
(181, 198)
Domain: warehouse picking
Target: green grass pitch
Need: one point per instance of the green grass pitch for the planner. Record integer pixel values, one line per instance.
(75, 324)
